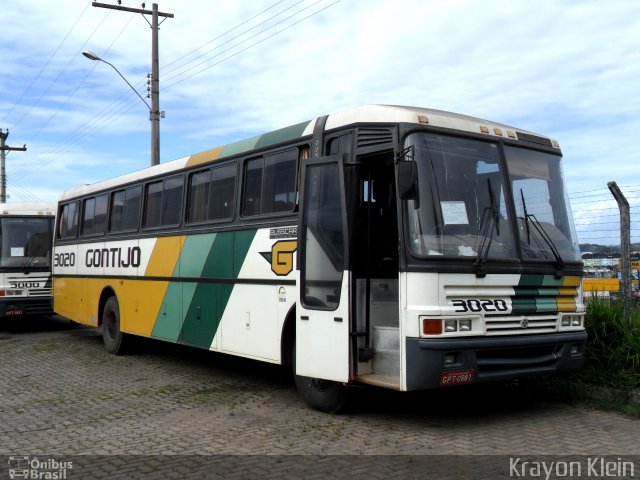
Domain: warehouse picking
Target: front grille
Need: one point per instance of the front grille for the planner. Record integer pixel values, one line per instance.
(43, 288)
(520, 324)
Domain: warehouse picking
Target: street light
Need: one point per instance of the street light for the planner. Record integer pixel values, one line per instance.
(155, 119)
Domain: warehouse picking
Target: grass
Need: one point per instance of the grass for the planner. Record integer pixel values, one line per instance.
(610, 377)
(613, 349)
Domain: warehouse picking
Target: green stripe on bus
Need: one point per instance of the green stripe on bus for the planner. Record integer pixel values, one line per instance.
(536, 294)
(167, 326)
(239, 147)
(546, 305)
(282, 135)
(523, 305)
(539, 281)
(169, 321)
(209, 300)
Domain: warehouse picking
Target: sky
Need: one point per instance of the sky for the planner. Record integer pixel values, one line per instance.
(569, 69)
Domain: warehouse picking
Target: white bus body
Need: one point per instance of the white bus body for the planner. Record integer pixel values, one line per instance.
(26, 233)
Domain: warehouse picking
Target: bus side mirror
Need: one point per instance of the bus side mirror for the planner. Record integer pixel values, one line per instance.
(408, 180)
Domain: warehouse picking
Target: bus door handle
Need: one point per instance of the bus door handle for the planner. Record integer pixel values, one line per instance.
(337, 319)
(304, 317)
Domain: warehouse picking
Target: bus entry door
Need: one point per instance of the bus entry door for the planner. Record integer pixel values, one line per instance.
(322, 320)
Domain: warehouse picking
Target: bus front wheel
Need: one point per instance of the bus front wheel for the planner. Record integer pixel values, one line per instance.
(323, 395)
(112, 336)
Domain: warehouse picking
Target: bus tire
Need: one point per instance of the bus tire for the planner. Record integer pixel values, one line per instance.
(323, 395)
(114, 339)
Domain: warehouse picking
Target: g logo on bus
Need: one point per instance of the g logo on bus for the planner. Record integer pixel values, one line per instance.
(281, 256)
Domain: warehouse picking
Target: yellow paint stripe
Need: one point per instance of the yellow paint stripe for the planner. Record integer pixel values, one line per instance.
(203, 157)
(566, 304)
(144, 298)
(166, 252)
(571, 281)
(141, 304)
(568, 291)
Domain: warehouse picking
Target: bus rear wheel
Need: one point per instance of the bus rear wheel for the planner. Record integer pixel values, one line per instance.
(114, 339)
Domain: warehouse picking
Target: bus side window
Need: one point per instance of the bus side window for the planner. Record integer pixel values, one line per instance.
(211, 194)
(163, 204)
(116, 217)
(171, 201)
(199, 186)
(252, 194)
(279, 194)
(94, 217)
(86, 228)
(125, 210)
(68, 220)
(223, 192)
(270, 183)
(132, 208)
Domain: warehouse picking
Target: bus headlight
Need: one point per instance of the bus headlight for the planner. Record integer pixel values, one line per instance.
(465, 325)
(571, 321)
(450, 325)
(12, 293)
(447, 326)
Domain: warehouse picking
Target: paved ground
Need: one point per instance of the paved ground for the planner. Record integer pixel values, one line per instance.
(63, 397)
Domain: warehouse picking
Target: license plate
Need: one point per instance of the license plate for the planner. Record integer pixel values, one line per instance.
(11, 313)
(458, 377)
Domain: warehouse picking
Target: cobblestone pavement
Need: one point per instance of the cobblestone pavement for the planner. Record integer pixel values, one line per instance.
(62, 395)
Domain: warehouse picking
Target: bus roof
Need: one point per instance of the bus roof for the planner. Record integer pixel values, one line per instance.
(28, 208)
(364, 114)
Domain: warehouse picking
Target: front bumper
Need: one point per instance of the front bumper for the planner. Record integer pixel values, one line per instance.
(494, 358)
(22, 306)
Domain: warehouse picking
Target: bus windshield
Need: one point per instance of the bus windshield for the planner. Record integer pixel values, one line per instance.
(25, 242)
(463, 208)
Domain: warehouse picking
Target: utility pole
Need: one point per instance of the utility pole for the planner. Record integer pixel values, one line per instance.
(625, 242)
(3, 173)
(154, 112)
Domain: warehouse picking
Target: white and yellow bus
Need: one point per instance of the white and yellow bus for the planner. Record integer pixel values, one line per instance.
(394, 246)
(26, 232)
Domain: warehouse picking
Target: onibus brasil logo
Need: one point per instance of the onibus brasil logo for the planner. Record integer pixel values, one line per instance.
(38, 468)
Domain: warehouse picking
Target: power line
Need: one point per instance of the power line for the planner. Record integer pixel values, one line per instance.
(182, 57)
(33, 163)
(42, 69)
(80, 136)
(55, 80)
(252, 45)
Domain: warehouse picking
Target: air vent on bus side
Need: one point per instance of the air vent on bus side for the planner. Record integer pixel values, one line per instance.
(527, 137)
(374, 137)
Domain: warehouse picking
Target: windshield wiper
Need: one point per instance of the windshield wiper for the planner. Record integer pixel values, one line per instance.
(28, 262)
(489, 223)
(529, 217)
